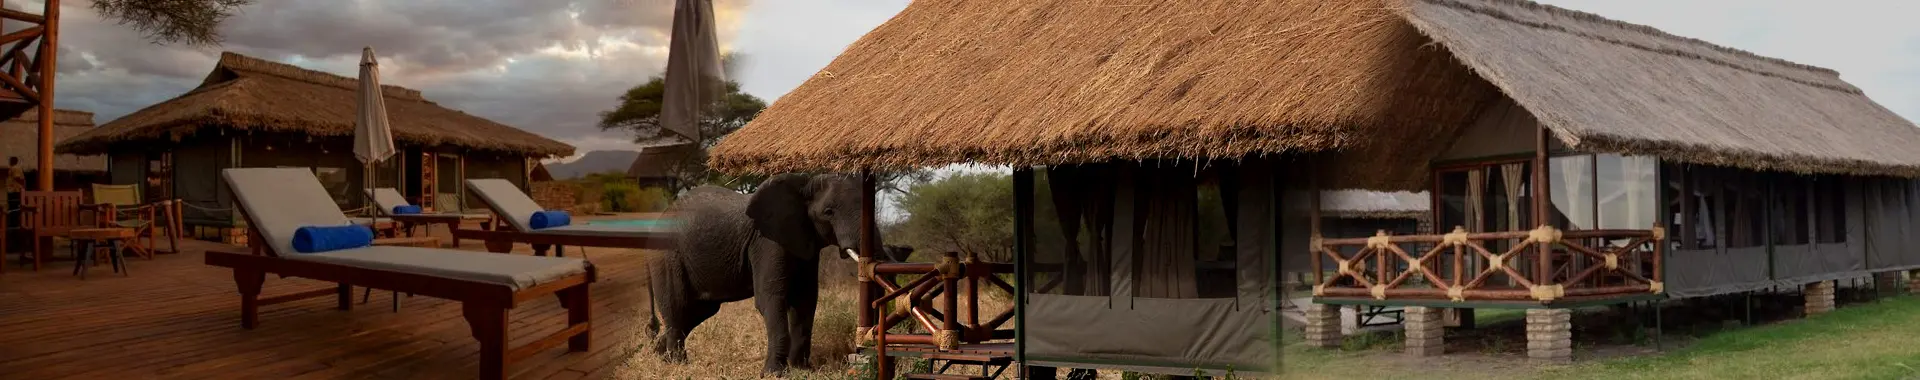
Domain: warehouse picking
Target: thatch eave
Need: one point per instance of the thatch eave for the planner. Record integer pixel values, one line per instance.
(248, 95)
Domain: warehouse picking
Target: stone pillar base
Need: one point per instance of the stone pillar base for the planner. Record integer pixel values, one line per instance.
(1425, 331)
(1323, 325)
(1819, 297)
(1550, 335)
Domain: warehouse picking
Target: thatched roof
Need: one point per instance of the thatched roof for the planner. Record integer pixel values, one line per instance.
(1383, 84)
(250, 94)
(659, 161)
(1363, 204)
(539, 173)
(20, 137)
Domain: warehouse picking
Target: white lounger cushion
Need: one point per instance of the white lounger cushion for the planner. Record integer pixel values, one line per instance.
(509, 202)
(516, 271)
(506, 200)
(386, 198)
(279, 201)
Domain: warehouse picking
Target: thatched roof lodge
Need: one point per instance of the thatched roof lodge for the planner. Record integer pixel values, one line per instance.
(1522, 121)
(252, 112)
(1040, 82)
(19, 137)
(655, 166)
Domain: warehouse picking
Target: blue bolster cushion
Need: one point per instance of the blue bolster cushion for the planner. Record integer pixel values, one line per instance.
(310, 239)
(406, 210)
(549, 219)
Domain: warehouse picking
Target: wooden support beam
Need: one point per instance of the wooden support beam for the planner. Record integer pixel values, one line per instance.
(21, 35)
(28, 17)
(14, 84)
(47, 65)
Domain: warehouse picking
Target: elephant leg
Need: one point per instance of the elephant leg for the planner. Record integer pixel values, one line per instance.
(671, 343)
(802, 298)
(773, 311)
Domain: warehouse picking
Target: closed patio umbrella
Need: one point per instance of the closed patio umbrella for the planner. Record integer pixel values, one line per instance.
(694, 74)
(372, 139)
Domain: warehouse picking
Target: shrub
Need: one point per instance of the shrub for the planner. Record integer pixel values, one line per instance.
(628, 197)
(616, 197)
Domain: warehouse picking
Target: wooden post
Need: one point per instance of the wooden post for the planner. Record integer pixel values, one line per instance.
(1313, 222)
(1542, 268)
(1023, 248)
(867, 312)
(48, 43)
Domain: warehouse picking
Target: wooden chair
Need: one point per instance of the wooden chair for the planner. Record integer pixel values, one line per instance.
(50, 214)
(120, 206)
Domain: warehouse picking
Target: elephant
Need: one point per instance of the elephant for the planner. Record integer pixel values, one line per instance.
(764, 246)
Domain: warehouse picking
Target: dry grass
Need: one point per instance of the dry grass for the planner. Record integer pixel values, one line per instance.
(732, 344)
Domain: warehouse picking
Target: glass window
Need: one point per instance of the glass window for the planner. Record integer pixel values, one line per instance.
(1572, 192)
(338, 184)
(1626, 191)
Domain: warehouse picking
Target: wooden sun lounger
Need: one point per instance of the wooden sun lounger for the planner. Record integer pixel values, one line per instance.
(486, 285)
(513, 208)
(385, 199)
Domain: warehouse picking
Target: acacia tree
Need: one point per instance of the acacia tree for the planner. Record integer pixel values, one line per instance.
(193, 22)
(639, 115)
(964, 212)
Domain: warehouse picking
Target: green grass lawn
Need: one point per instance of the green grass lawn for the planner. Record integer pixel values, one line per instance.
(1869, 341)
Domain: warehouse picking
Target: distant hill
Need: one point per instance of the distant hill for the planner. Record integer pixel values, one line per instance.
(599, 161)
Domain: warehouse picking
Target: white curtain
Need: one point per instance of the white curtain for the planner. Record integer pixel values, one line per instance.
(1574, 196)
(1512, 175)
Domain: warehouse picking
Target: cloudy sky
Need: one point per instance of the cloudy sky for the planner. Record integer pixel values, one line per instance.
(550, 66)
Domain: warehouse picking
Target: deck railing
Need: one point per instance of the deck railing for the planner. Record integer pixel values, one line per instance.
(1544, 264)
(938, 282)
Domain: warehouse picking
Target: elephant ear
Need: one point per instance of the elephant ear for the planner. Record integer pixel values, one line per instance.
(779, 212)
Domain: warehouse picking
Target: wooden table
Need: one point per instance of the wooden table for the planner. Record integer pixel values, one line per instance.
(86, 241)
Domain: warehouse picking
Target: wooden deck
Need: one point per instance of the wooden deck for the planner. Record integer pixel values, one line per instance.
(176, 318)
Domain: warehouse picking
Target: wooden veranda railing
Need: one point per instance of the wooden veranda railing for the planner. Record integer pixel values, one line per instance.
(1544, 264)
(938, 283)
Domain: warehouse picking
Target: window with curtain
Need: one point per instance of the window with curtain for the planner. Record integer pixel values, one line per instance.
(338, 184)
(1830, 210)
(1706, 208)
(1627, 191)
(1746, 219)
(1790, 217)
(1572, 192)
(1673, 179)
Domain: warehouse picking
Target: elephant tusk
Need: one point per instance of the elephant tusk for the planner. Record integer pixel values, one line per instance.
(852, 255)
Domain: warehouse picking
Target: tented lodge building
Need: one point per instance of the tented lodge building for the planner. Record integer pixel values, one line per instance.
(1169, 157)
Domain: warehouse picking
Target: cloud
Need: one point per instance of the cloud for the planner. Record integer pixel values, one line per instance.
(546, 66)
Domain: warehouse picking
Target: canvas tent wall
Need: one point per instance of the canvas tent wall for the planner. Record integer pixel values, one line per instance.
(1157, 264)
